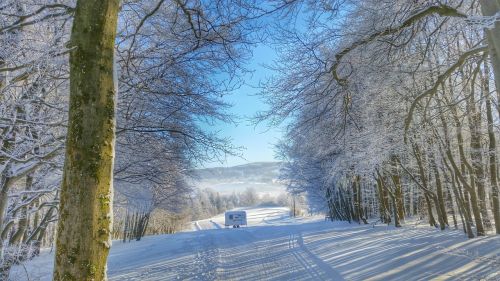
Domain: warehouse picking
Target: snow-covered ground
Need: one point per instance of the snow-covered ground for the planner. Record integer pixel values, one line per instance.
(255, 217)
(277, 247)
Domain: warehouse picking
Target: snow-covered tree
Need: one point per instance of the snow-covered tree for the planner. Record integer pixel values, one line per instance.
(391, 100)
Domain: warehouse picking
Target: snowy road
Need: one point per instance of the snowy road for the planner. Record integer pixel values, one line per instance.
(275, 247)
(247, 253)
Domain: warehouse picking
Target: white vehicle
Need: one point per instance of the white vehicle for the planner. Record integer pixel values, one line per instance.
(235, 218)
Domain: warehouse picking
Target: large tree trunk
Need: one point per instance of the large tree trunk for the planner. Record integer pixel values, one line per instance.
(492, 153)
(491, 8)
(84, 230)
(493, 166)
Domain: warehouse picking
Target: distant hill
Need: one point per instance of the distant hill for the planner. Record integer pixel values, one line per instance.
(263, 176)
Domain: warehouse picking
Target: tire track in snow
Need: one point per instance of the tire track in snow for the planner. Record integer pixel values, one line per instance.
(245, 254)
(325, 272)
(205, 261)
(303, 262)
(239, 254)
(283, 258)
(200, 263)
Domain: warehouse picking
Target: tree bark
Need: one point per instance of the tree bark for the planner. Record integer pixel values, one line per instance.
(393, 198)
(490, 8)
(358, 199)
(492, 153)
(421, 169)
(470, 190)
(463, 210)
(439, 198)
(84, 230)
(440, 206)
(384, 203)
(472, 205)
(474, 120)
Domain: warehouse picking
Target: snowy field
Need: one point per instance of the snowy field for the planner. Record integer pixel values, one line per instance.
(277, 247)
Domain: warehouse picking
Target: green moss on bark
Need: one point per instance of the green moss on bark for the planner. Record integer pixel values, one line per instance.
(86, 195)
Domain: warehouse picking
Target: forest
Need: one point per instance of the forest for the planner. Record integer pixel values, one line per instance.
(390, 111)
(402, 122)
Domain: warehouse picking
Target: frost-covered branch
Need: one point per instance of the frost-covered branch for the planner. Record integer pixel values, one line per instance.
(441, 10)
(440, 79)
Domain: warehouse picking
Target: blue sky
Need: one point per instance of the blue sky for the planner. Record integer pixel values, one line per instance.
(257, 141)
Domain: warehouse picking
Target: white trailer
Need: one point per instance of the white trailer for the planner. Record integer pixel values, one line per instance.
(235, 218)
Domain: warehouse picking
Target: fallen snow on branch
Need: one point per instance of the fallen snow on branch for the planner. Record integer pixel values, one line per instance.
(483, 22)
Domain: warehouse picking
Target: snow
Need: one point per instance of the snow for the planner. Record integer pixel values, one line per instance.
(277, 247)
(255, 217)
